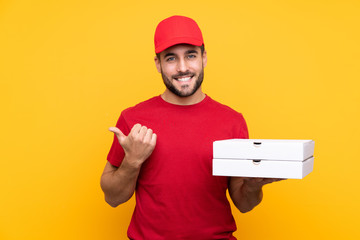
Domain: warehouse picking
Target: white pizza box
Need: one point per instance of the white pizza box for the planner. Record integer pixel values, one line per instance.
(270, 149)
(263, 168)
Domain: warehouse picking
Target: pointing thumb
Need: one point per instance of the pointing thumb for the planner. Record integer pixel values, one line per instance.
(119, 134)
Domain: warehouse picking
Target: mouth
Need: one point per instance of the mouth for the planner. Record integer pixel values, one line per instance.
(184, 78)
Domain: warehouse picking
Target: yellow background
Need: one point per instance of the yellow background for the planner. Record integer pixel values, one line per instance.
(68, 68)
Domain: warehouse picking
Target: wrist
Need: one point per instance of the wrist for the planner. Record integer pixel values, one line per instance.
(131, 164)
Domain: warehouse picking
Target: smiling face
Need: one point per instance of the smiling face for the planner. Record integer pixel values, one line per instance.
(182, 70)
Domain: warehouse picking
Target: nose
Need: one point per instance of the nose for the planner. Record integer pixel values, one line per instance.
(182, 66)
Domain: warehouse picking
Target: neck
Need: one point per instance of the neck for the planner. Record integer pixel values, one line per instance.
(169, 97)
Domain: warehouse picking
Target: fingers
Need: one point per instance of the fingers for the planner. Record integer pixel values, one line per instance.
(271, 180)
(148, 135)
(138, 145)
(153, 139)
(135, 130)
(278, 179)
(261, 181)
(143, 131)
(138, 132)
(144, 134)
(253, 179)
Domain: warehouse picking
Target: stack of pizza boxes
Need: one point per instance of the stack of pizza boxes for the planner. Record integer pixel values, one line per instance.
(264, 158)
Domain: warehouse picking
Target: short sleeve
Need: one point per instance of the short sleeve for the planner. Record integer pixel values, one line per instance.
(116, 153)
(243, 128)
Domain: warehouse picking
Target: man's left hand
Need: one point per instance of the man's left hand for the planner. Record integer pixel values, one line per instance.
(254, 184)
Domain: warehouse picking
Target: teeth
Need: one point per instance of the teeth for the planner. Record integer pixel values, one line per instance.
(183, 79)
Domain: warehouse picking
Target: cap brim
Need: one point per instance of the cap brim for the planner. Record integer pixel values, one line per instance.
(180, 40)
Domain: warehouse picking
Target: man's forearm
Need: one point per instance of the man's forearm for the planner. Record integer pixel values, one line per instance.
(118, 184)
(247, 193)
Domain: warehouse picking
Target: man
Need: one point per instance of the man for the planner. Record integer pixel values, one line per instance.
(162, 149)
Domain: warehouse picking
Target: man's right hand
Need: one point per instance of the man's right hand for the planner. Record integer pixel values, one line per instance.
(138, 145)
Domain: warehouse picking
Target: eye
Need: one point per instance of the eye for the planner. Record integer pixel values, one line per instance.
(170, 59)
(191, 56)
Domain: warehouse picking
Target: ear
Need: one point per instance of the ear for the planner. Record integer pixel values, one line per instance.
(204, 58)
(157, 64)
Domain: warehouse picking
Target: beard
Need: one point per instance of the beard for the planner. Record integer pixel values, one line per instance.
(182, 92)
